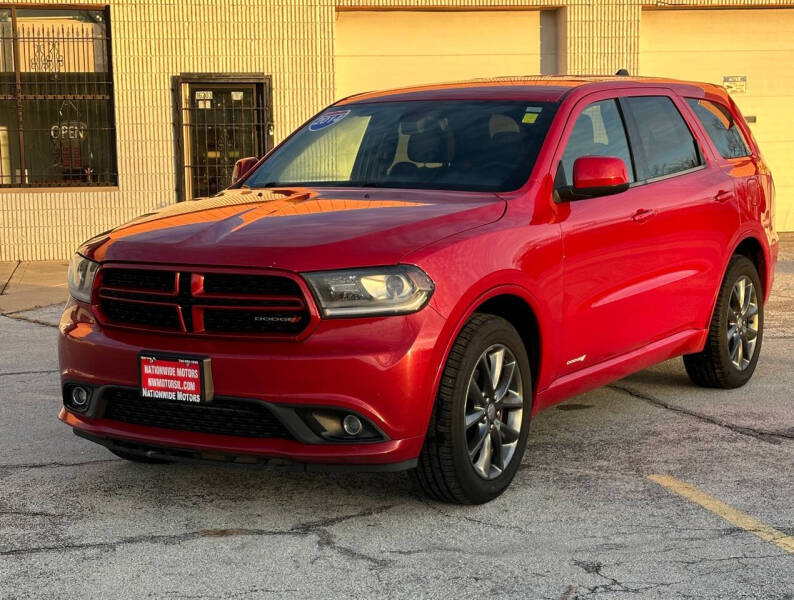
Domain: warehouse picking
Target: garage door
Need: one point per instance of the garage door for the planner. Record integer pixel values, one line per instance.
(752, 50)
(385, 49)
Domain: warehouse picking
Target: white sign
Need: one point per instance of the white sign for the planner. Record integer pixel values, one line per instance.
(735, 84)
(70, 130)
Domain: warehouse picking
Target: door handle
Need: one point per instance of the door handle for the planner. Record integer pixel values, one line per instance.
(643, 215)
(723, 196)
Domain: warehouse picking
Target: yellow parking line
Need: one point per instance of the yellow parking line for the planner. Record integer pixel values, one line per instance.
(730, 514)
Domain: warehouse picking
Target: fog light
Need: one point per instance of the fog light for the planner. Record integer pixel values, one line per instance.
(79, 397)
(352, 425)
(335, 425)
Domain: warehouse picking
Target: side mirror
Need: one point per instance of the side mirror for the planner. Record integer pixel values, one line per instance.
(596, 176)
(242, 167)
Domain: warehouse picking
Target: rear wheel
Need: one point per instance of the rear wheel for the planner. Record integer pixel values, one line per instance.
(479, 428)
(736, 331)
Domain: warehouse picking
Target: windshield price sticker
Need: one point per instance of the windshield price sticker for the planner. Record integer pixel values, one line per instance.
(328, 119)
(531, 114)
(178, 380)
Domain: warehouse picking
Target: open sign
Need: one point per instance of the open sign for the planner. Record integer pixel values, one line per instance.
(70, 130)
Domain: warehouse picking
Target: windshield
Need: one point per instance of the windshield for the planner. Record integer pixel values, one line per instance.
(453, 145)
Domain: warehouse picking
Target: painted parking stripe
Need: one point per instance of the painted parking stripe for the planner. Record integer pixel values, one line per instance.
(730, 514)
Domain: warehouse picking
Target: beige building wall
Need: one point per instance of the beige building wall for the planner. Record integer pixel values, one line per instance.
(292, 40)
(385, 49)
(752, 47)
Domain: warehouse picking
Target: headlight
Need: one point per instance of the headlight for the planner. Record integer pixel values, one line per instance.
(377, 291)
(81, 277)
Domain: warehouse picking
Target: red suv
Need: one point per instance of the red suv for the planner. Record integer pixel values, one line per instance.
(412, 275)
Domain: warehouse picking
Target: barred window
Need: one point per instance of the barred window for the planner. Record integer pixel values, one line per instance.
(56, 98)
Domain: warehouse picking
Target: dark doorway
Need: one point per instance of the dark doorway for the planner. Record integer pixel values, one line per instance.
(221, 119)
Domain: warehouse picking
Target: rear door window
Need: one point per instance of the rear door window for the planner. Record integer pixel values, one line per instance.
(721, 127)
(598, 131)
(665, 144)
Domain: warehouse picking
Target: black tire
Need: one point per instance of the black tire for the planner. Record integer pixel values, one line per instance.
(713, 368)
(140, 458)
(445, 471)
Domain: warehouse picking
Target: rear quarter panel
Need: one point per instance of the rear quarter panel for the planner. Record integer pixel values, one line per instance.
(755, 192)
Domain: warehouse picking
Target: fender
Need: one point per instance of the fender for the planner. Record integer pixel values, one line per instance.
(768, 245)
(767, 276)
(474, 298)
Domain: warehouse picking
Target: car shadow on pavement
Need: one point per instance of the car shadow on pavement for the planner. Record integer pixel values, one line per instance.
(665, 377)
(179, 483)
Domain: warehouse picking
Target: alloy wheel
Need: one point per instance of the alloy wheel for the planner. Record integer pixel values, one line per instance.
(494, 411)
(743, 320)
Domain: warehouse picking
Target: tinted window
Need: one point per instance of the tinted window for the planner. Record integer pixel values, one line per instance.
(598, 131)
(665, 144)
(457, 145)
(721, 127)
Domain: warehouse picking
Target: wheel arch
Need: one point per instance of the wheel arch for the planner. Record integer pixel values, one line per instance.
(751, 248)
(516, 304)
(519, 313)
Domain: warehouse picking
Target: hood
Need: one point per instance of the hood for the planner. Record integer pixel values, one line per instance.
(297, 229)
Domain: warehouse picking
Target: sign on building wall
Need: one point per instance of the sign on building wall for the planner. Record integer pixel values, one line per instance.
(735, 84)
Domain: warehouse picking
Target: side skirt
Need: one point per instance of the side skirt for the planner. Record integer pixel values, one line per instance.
(588, 378)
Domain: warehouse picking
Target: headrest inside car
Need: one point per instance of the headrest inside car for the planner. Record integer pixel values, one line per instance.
(428, 147)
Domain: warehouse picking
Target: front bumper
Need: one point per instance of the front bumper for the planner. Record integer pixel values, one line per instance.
(383, 369)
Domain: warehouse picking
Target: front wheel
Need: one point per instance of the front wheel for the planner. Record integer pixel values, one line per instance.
(480, 423)
(736, 331)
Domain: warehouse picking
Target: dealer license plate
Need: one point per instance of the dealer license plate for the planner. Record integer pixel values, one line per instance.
(176, 378)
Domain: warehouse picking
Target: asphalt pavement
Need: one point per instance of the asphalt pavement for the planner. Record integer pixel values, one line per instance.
(646, 488)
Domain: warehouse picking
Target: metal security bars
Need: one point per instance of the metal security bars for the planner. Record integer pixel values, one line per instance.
(56, 98)
(220, 119)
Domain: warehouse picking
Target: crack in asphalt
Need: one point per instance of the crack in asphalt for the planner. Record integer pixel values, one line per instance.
(18, 317)
(29, 513)
(766, 435)
(55, 464)
(318, 528)
(227, 594)
(37, 307)
(613, 585)
(10, 277)
(13, 373)
(706, 559)
(138, 539)
(459, 518)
